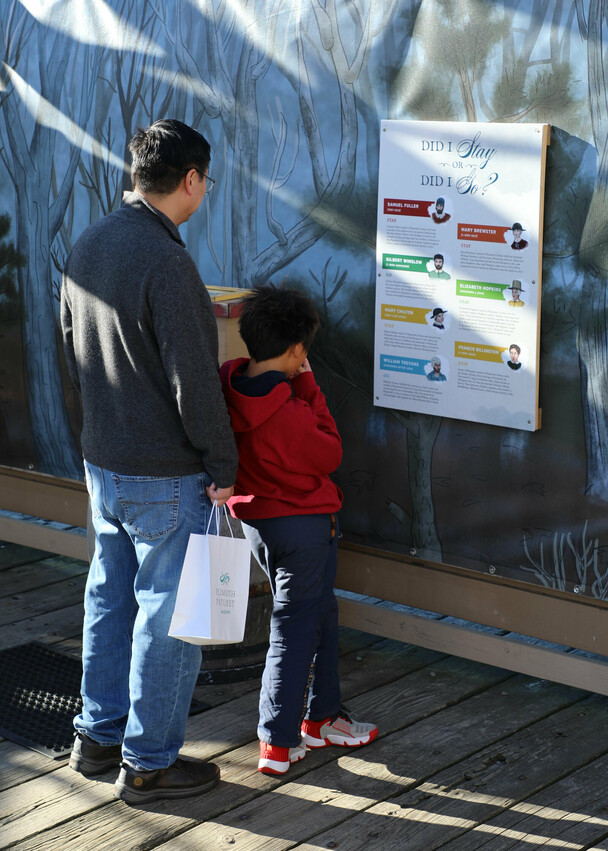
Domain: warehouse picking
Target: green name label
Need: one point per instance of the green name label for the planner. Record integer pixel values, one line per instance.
(405, 262)
(479, 289)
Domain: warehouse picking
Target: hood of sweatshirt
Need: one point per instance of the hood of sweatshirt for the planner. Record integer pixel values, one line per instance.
(249, 412)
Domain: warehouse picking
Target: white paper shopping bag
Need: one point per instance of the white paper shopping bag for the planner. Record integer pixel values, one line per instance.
(213, 592)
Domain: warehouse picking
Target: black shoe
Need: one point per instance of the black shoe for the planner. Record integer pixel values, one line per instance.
(90, 758)
(184, 778)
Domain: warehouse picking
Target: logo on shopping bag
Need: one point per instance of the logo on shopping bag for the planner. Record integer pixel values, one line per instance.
(224, 577)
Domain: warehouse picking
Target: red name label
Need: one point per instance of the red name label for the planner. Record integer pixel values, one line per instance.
(482, 233)
(401, 207)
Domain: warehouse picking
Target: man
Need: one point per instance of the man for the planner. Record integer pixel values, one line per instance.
(516, 292)
(518, 243)
(141, 344)
(436, 374)
(439, 215)
(439, 271)
(438, 317)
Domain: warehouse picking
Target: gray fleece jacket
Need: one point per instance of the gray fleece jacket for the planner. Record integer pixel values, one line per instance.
(140, 339)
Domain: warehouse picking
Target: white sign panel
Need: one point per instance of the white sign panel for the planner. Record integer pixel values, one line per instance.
(459, 247)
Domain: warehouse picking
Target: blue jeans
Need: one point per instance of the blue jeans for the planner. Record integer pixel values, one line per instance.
(137, 682)
(299, 555)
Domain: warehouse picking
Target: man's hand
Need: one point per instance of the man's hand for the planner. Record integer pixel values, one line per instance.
(219, 495)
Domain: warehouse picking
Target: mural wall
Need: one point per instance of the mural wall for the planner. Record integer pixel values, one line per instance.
(290, 96)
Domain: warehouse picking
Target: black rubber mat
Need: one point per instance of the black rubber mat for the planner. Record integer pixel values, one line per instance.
(39, 697)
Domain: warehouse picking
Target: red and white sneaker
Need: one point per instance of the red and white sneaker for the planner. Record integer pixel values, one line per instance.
(340, 729)
(274, 760)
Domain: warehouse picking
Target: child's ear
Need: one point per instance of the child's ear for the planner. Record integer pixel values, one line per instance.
(299, 351)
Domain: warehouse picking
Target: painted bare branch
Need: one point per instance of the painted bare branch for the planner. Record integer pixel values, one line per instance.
(276, 181)
(39, 212)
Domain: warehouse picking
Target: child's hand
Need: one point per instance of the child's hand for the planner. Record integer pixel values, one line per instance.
(305, 367)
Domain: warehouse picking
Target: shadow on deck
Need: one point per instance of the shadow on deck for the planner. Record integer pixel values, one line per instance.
(469, 756)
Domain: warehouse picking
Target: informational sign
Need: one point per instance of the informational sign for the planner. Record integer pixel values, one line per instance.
(458, 285)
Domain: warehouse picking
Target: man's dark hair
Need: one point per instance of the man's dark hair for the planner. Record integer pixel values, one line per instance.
(438, 256)
(164, 153)
(274, 319)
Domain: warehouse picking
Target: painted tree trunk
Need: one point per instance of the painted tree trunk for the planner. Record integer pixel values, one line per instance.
(592, 334)
(421, 437)
(246, 140)
(52, 436)
(422, 431)
(592, 337)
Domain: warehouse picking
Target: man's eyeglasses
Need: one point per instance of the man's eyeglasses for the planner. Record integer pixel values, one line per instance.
(210, 180)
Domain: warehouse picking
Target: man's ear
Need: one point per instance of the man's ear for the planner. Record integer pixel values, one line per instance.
(189, 181)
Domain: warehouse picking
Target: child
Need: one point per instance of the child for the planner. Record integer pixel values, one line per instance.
(288, 445)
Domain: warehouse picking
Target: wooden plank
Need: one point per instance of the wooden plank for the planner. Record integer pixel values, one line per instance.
(533, 659)
(568, 814)
(230, 343)
(358, 671)
(69, 646)
(39, 601)
(39, 574)
(67, 542)
(39, 809)
(12, 555)
(512, 606)
(569, 619)
(49, 628)
(17, 763)
(360, 668)
(50, 497)
(518, 607)
(356, 639)
(63, 789)
(352, 643)
(459, 800)
(322, 795)
(332, 795)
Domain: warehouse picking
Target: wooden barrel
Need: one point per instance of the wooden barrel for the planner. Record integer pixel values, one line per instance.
(229, 663)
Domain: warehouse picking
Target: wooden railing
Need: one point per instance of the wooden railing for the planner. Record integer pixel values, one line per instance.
(54, 512)
(514, 625)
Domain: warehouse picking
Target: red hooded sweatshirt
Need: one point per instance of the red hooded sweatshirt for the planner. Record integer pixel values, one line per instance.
(288, 445)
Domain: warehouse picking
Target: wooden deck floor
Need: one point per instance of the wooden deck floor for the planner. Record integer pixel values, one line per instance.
(468, 756)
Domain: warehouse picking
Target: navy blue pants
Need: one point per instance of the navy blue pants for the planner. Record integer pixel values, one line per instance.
(299, 555)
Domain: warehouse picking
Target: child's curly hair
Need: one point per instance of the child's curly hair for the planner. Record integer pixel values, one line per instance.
(274, 319)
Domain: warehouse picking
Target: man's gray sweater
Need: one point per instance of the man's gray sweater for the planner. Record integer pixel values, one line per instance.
(141, 344)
